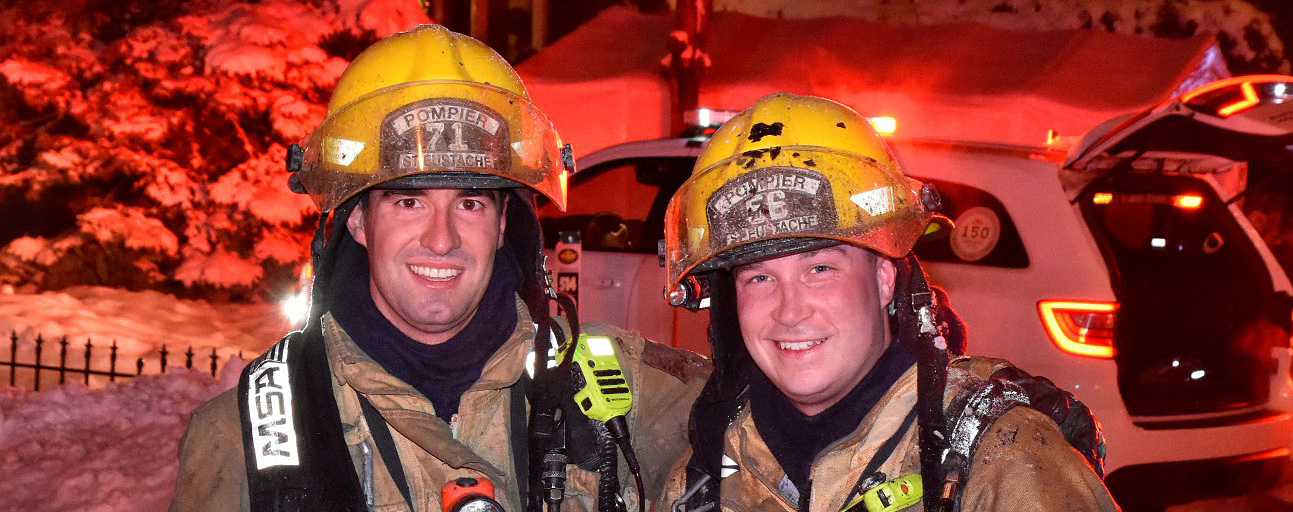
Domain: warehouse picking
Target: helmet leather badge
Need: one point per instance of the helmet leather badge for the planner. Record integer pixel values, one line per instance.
(445, 133)
(771, 202)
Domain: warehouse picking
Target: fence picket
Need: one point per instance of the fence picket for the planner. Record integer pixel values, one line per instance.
(13, 356)
(87, 361)
(62, 362)
(112, 363)
(39, 342)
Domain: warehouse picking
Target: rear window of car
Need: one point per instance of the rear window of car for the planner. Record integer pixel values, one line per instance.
(984, 235)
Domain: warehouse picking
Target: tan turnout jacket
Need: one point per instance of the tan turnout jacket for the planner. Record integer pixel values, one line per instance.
(1023, 462)
(664, 381)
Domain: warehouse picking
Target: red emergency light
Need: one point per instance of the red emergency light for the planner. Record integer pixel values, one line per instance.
(1187, 201)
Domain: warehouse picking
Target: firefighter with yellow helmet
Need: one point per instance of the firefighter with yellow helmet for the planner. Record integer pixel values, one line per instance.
(837, 381)
(414, 383)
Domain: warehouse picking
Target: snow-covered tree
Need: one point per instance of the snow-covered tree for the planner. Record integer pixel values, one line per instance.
(142, 142)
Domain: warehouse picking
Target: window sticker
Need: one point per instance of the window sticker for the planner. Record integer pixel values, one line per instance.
(976, 234)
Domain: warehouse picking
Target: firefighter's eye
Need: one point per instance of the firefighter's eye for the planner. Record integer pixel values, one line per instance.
(407, 202)
(471, 204)
(817, 269)
(759, 278)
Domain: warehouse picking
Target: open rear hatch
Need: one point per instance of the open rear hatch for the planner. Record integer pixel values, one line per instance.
(1202, 300)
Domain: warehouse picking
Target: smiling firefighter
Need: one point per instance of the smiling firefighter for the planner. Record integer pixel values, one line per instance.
(837, 381)
(408, 388)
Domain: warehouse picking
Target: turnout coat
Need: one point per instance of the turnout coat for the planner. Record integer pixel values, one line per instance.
(664, 381)
(1023, 462)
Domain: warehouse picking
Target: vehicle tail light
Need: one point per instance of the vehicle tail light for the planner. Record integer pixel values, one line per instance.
(1187, 201)
(1249, 100)
(1083, 328)
(1230, 96)
(1102, 198)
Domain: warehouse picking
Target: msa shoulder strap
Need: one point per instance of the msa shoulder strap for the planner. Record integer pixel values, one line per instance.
(291, 430)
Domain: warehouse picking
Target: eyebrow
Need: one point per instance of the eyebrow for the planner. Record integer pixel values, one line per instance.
(814, 252)
(806, 254)
(415, 192)
(477, 192)
(387, 192)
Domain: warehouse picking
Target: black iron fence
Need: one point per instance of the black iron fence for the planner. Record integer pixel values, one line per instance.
(87, 363)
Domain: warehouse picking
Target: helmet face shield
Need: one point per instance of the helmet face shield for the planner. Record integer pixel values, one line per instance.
(438, 128)
(786, 192)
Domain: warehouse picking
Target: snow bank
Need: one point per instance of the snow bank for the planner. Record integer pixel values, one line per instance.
(106, 450)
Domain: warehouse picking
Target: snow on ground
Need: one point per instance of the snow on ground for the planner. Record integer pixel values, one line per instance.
(114, 449)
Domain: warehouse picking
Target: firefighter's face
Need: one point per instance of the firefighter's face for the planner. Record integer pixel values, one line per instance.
(814, 322)
(430, 254)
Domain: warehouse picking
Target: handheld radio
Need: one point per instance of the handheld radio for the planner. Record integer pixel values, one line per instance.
(600, 389)
(602, 393)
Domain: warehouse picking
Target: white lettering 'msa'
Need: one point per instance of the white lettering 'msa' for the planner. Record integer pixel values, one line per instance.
(269, 404)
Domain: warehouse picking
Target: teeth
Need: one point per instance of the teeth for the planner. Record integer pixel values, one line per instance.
(435, 273)
(799, 345)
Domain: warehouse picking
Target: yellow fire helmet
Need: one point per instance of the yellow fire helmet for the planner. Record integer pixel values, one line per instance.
(430, 108)
(791, 173)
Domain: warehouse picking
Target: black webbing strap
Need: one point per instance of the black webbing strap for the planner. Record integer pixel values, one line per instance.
(386, 446)
(520, 436)
(881, 455)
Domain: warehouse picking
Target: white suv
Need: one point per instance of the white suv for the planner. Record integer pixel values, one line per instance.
(1126, 273)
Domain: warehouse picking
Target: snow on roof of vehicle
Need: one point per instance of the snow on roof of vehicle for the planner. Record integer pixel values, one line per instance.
(603, 84)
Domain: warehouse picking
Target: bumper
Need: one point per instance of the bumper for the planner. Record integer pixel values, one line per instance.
(1153, 486)
(1135, 445)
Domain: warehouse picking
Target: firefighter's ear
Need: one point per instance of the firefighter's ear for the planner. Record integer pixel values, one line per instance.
(355, 223)
(885, 276)
(502, 218)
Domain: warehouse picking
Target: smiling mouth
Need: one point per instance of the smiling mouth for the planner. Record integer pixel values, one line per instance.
(799, 345)
(435, 273)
